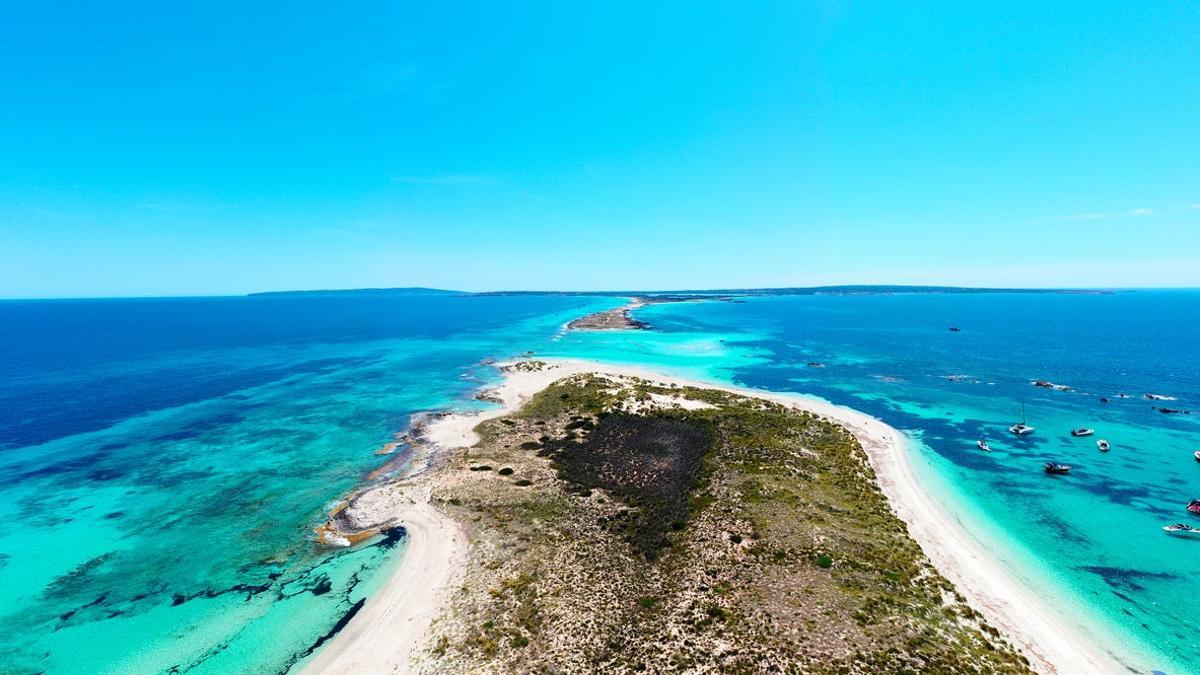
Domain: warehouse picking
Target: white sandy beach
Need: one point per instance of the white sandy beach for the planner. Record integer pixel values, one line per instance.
(389, 632)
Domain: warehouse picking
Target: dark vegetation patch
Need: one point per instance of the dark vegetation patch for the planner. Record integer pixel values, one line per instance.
(1123, 578)
(1062, 529)
(390, 537)
(74, 580)
(70, 465)
(178, 435)
(250, 590)
(759, 540)
(341, 623)
(650, 463)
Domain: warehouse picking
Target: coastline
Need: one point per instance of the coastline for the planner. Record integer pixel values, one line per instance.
(1045, 637)
(392, 623)
(390, 631)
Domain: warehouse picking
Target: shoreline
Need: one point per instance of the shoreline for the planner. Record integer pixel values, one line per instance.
(391, 625)
(389, 633)
(1036, 628)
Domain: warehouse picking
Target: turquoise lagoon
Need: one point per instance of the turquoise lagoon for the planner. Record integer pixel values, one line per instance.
(164, 460)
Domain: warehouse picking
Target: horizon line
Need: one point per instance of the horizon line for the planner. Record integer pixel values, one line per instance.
(933, 287)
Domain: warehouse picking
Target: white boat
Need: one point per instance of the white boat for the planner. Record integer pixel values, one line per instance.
(1196, 454)
(1082, 431)
(1021, 429)
(1180, 528)
(1103, 445)
(983, 445)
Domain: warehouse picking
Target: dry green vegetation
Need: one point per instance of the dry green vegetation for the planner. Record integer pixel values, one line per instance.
(615, 533)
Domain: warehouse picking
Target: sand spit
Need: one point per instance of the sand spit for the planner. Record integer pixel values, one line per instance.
(620, 318)
(390, 631)
(612, 319)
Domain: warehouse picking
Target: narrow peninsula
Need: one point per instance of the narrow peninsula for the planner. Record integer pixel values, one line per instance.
(618, 318)
(606, 519)
(621, 318)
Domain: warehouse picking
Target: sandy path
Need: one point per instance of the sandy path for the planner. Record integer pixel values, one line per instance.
(387, 634)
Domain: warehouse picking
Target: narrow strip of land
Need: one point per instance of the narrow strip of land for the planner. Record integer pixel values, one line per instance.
(393, 631)
(621, 318)
(618, 318)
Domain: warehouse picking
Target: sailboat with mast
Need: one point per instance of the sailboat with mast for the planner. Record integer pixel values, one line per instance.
(1021, 428)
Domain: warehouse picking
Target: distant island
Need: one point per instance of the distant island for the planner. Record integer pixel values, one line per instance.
(863, 289)
(406, 291)
(619, 318)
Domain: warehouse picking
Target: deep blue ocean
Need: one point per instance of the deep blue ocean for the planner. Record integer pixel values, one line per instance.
(162, 462)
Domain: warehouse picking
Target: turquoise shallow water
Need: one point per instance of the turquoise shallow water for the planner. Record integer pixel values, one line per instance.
(162, 462)
(1089, 543)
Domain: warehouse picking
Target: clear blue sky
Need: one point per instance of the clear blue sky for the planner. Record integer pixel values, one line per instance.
(212, 148)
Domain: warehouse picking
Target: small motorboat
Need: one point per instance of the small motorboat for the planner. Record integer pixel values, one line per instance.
(1180, 528)
(955, 329)
(1196, 454)
(1056, 468)
(1082, 431)
(1103, 445)
(1194, 507)
(1021, 428)
(983, 445)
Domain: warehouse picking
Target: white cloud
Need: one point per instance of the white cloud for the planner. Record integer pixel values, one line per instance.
(1131, 213)
(446, 179)
(164, 207)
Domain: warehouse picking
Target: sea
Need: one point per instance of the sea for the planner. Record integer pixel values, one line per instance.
(164, 461)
